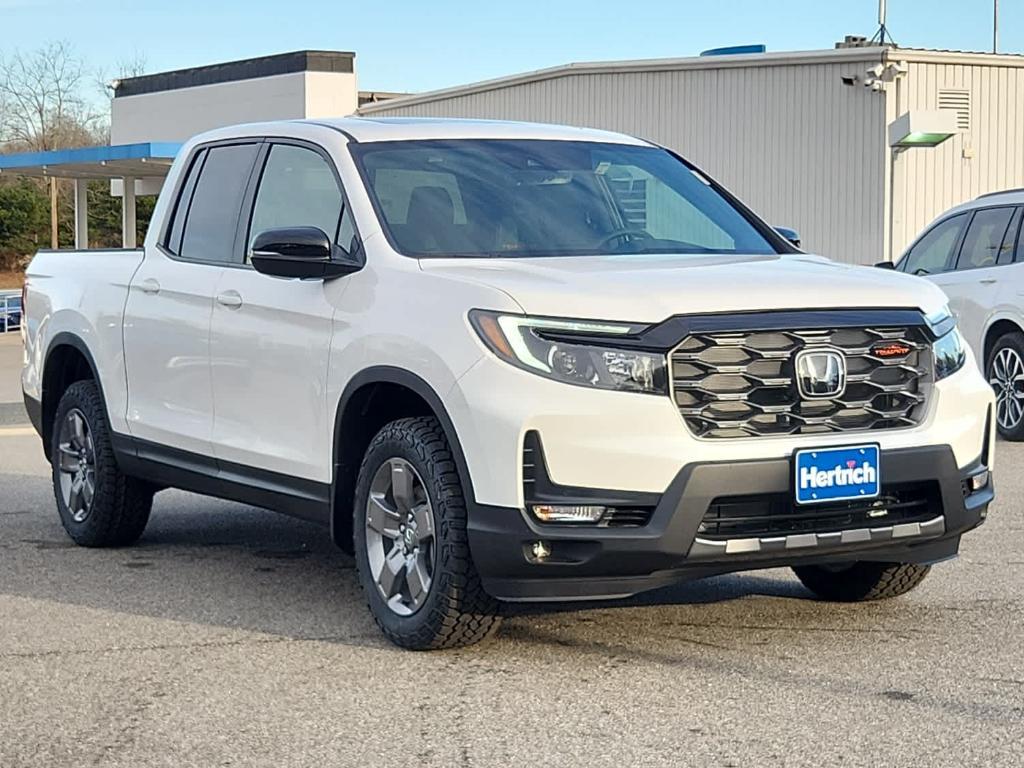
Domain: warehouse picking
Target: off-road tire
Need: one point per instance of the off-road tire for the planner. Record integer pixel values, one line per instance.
(457, 611)
(121, 504)
(861, 581)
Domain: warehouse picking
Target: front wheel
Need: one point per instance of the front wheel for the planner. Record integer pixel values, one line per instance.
(412, 548)
(861, 581)
(1005, 373)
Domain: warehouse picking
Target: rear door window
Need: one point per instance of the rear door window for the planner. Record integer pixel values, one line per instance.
(212, 221)
(173, 241)
(984, 239)
(933, 253)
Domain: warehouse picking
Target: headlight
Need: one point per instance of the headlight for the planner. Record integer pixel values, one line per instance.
(941, 321)
(559, 350)
(949, 353)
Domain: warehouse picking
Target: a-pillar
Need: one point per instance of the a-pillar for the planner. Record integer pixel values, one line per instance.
(81, 213)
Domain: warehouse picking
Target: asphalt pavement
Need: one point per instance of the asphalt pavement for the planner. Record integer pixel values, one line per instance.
(233, 636)
(12, 410)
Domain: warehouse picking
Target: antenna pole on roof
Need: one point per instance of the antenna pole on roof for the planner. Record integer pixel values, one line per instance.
(882, 35)
(995, 26)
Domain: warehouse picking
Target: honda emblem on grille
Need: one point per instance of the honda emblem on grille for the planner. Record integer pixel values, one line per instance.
(820, 373)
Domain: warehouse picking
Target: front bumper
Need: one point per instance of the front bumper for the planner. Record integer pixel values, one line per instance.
(638, 443)
(594, 563)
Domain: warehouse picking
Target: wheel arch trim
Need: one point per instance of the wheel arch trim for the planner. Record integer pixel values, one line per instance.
(65, 339)
(389, 374)
(988, 339)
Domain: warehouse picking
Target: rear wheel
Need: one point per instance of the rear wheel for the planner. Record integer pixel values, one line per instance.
(99, 506)
(1005, 373)
(861, 581)
(412, 549)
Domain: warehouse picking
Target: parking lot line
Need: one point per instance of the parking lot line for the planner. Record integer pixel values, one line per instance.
(16, 431)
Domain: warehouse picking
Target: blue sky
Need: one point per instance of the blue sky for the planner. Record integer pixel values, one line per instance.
(402, 45)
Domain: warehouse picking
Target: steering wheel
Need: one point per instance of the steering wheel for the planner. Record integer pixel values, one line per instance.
(624, 234)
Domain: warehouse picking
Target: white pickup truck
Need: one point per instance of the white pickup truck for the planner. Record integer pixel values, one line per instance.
(505, 362)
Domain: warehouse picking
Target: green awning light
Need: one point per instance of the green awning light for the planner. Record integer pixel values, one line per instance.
(924, 139)
(922, 129)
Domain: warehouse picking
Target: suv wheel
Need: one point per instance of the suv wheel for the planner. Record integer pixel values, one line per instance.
(1005, 372)
(412, 549)
(98, 505)
(861, 581)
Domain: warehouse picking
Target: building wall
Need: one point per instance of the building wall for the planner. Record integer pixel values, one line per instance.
(791, 140)
(330, 94)
(987, 157)
(177, 115)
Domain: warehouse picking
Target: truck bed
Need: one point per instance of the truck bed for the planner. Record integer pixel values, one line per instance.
(79, 294)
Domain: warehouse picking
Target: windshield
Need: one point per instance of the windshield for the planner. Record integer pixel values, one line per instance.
(483, 197)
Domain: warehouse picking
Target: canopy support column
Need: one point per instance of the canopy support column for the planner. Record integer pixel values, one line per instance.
(54, 229)
(128, 237)
(81, 213)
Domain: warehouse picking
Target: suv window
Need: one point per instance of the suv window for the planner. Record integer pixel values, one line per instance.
(984, 239)
(217, 202)
(297, 189)
(933, 252)
(1011, 240)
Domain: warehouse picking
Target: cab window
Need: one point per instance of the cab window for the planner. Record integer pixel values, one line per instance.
(213, 211)
(297, 189)
(933, 253)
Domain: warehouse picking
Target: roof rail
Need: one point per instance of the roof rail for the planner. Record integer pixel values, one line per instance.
(1001, 192)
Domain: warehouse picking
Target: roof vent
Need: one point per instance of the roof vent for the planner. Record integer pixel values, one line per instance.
(733, 50)
(958, 101)
(854, 41)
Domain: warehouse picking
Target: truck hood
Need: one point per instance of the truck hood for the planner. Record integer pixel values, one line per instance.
(648, 289)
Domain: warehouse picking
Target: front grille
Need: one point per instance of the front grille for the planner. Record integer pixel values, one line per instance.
(777, 515)
(741, 384)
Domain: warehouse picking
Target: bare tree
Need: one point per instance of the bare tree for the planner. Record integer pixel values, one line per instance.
(129, 66)
(43, 107)
(43, 104)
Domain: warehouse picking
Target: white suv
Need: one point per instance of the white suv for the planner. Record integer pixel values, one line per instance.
(505, 362)
(975, 253)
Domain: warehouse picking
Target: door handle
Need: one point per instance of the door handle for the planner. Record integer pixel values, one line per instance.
(150, 286)
(230, 299)
(987, 280)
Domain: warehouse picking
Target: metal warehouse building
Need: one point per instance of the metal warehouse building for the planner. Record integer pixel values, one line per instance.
(807, 139)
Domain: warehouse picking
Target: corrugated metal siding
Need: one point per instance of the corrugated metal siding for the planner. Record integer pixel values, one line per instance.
(799, 147)
(930, 181)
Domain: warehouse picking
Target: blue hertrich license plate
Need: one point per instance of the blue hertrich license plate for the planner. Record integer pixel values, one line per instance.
(836, 474)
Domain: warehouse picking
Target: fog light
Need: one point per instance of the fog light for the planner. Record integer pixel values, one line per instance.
(568, 513)
(540, 550)
(979, 481)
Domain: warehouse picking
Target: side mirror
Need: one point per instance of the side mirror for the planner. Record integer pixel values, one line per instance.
(306, 253)
(885, 265)
(790, 234)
